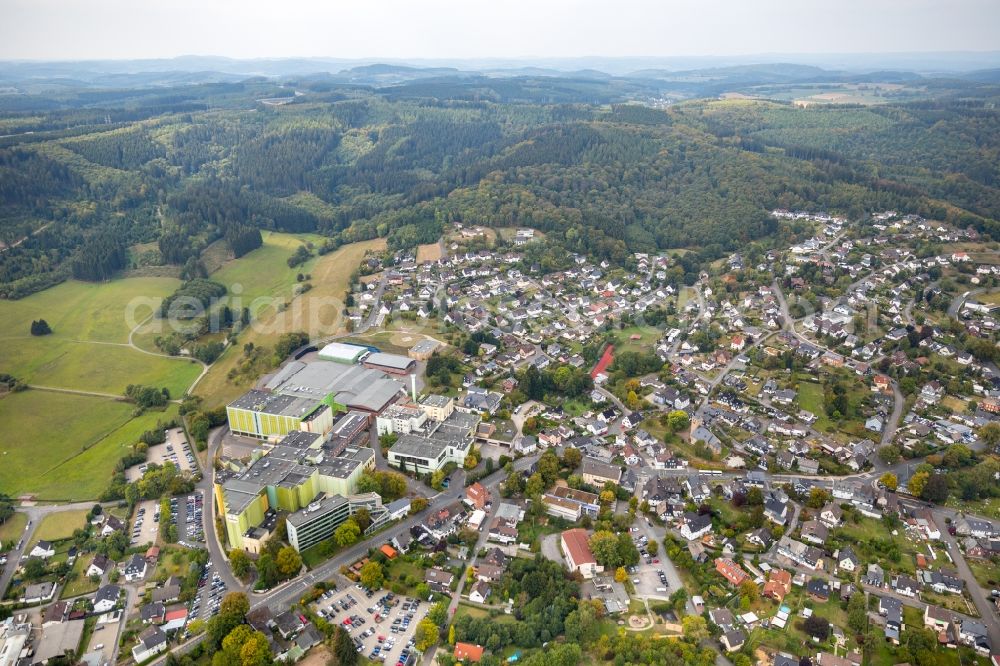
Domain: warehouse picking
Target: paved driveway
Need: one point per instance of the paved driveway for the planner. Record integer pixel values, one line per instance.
(551, 549)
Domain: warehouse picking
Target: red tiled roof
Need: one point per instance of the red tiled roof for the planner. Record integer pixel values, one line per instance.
(730, 570)
(468, 652)
(577, 543)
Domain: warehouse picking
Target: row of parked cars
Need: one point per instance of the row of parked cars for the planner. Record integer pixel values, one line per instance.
(194, 508)
(140, 517)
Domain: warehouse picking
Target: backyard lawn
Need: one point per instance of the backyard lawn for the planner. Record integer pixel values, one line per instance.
(57, 526)
(81, 583)
(874, 543)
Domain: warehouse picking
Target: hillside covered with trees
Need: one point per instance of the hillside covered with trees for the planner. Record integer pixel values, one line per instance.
(98, 174)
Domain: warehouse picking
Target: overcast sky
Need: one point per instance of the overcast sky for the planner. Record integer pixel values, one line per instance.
(85, 29)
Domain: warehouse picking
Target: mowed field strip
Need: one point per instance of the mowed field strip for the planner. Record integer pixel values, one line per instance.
(88, 349)
(64, 446)
(59, 446)
(317, 311)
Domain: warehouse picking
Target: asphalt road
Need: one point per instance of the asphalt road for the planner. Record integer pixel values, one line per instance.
(35, 515)
(987, 610)
(291, 591)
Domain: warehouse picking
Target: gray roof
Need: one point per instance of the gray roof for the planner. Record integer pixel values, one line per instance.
(425, 345)
(597, 468)
(326, 505)
(394, 361)
(271, 403)
(108, 592)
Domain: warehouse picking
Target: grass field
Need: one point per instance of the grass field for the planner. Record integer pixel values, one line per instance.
(811, 397)
(265, 271)
(83, 310)
(429, 252)
(13, 528)
(57, 526)
(81, 446)
(88, 350)
(648, 335)
(80, 584)
(317, 312)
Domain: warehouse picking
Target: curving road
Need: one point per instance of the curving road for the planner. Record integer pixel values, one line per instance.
(35, 514)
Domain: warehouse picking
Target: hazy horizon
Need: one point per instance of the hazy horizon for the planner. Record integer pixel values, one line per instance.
(519, 30)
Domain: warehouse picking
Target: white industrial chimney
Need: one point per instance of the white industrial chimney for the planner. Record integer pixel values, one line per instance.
(413, 386)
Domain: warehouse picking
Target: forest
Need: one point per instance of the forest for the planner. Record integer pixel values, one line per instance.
(210, 163)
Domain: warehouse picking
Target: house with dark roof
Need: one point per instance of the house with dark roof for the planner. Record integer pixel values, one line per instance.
(135, 568)
(98, 565)
(106, 598)
(776, 511)
(892, 609)
(722, 618)
(733, 640)
(151, 642)
(152, 613)
(847, 560)
(694, 526)
(818, 589)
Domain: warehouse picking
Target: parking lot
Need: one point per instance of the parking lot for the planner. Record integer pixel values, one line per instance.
(380, 623)
(649, 577)
(211, 590)
(175, 449)
(146, 526)
(188, 515)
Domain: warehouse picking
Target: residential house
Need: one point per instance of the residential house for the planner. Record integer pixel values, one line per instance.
(694, 526)
(815, 532)
(106, 598)
(776, 511)
(469, 653)
(151, 642)
(847, 560)
(43, 550)
(480, 592)
(778, 585)
(439, 580)
(733, 640)
(135, 568)
(731, 571)
(98, 566)
(831, 515)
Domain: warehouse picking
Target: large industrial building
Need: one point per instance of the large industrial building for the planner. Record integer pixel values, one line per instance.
(340, 386)
(436, 445)
(339, 352)
(262, 415)
(391, 363)
(318, 521)
(289, 476)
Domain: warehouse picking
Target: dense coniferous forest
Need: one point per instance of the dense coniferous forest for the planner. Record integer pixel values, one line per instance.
(85, 176)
